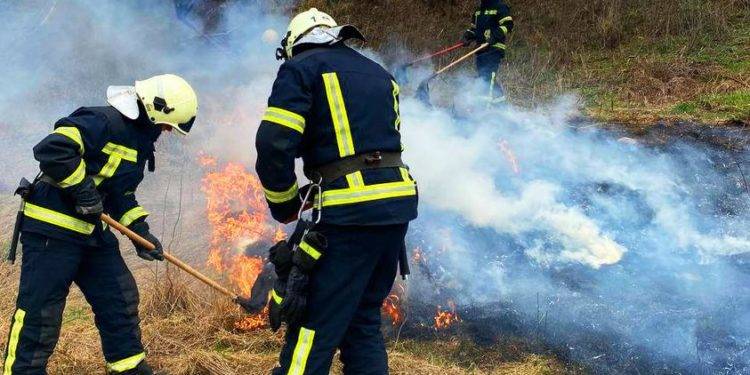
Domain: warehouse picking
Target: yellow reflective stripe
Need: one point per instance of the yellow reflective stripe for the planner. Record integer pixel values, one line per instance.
(108, 170)
(490, 12)
(123, 152)
(369, 193)
(127, 363)
(282, 196)
(499, 45)
(285, 118)
(396, 92)
(58, 219)
(73, 133)
(301, 351)
(504, 29)
(339, 115)
(15, 333)
(76, 177)
(311, 251)
(355, 179)
(133, 215)
(275, 296)
(405, 174)
(506, 19)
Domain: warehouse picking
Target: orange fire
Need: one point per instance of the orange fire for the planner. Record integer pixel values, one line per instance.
(392, 305)
(446, 318)
(237, 215)
(509, 155)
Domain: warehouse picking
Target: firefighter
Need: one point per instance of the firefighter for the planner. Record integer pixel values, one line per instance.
(339, 112)
(491, 23)
(92, 163)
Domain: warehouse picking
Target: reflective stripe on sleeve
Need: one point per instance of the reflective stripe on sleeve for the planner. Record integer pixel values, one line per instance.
(58, 219)
(73, 133)
(282, 196)
(15, 334)
(76, 177)
(127, 363)
(133, 215)
(339, 115)
(506, 19)
(301, 351)
(285, 118)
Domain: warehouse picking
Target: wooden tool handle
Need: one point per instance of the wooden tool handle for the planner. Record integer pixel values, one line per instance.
(472, 53)
(169, 257)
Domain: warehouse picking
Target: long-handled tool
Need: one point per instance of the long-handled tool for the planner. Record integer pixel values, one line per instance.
(400, 71)
(242, 301)
(423, 91)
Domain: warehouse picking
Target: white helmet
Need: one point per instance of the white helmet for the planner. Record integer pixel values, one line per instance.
(314, 27)
(168, 100)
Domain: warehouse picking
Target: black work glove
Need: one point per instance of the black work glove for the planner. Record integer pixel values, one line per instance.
(468, 37)
(495, 38)
(275, 299)
(86, 198)
(281, 257)
(308, 252)
(294, 304)
(141, 229)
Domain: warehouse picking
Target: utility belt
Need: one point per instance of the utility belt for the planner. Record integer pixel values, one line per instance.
(327, 173)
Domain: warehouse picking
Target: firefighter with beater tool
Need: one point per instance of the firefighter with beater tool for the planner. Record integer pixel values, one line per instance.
(92, 163)
(491, 23)
(339, 112)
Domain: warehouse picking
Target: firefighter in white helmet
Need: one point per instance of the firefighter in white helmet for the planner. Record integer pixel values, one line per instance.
(92, 163)
(339, 111)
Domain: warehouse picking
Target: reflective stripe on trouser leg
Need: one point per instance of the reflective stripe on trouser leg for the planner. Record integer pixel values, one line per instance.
(305, 340)
(15, 333)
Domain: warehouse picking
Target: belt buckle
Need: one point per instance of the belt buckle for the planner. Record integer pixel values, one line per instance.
(374, 158)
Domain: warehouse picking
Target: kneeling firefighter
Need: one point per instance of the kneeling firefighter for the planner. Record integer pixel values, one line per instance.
(91, 164)
(339, 112)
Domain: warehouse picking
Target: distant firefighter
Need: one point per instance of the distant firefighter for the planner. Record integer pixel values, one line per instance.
(491, 23)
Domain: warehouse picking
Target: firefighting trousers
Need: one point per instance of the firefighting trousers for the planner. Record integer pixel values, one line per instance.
(48, 269)
(348, 287)
(488, 64)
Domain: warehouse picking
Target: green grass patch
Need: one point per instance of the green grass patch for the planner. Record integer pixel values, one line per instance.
(74, 314)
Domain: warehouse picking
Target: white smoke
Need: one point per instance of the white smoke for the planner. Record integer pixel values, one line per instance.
(627, 239)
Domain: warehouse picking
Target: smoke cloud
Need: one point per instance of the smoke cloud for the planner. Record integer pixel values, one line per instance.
(636, 254)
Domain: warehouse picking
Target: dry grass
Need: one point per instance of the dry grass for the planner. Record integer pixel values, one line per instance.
(631, 61)
(188, 332)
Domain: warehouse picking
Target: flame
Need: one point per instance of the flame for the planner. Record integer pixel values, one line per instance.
(446, 318)
(253, 322)
(392, 305)
(237, 214)
(509, 155)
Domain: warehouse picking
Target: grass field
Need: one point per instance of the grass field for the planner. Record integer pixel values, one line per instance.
(631, 62)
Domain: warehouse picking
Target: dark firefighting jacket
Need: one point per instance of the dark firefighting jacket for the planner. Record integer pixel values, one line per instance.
(329, 103)
(97, 143)
(492, 21)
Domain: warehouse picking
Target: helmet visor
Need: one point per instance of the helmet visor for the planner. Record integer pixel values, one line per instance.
(186, 126)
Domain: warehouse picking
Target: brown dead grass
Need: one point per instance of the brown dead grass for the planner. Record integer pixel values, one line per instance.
(187, 332)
